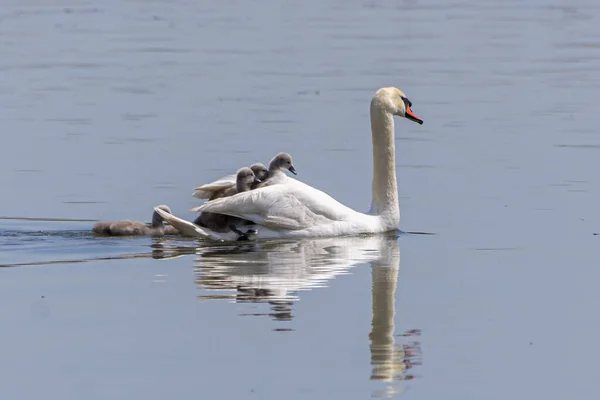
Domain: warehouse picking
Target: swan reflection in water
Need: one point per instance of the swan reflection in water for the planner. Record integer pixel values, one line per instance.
(390, 361)
(276, 272)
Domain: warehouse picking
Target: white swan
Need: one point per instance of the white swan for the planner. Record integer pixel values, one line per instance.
(294, 209)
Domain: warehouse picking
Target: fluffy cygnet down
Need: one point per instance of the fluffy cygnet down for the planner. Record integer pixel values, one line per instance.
(260, 172)
(216, 189)
(275, 174)
(222, 223)
(133, 228)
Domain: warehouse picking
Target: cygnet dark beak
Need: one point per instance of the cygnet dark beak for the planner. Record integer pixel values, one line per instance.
(256, 180)
(292, 170)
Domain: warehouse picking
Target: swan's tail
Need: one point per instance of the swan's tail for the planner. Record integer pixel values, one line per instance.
(187, 228)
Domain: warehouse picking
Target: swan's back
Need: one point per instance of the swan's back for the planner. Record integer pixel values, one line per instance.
(290, 205)
(320, 202)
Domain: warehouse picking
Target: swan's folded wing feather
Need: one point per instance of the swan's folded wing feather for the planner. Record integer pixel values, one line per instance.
(278, 222)
(206, 190)
(290, 206)
(270, 206)
(220, 183)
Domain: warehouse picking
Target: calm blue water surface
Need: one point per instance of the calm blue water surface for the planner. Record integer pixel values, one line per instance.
(110, 108)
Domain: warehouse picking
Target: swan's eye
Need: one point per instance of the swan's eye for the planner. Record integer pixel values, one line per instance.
(407, 102)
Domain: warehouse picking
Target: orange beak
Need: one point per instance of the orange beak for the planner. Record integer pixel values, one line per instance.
(412, 116)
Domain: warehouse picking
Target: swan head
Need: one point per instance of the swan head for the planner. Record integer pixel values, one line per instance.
(245, 178)
(283, 161)
(394, 101)
(260, 171)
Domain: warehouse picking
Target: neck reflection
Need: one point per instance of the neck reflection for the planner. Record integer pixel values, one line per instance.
(390, 361)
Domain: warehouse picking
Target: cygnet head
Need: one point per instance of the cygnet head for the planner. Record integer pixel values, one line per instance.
(165, 208)
(283, 161)
(157, 220)
(394, 101)
(245, 178)
(260, 171)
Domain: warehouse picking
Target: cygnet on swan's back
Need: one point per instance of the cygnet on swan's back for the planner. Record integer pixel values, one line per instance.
(260, 172)
(275, 175)
(215, 189)
(219, 222)
(133, 228)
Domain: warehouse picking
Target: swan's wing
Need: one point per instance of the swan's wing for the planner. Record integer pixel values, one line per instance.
(220, 183)
(290, 206)
(206, 190)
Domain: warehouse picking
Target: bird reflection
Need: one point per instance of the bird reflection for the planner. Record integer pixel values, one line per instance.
(389, 361)
(275, 272)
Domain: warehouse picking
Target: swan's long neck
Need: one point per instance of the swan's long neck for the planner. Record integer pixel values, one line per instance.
(385, 193)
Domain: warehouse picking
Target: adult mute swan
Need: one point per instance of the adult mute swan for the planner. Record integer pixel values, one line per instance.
(294, 209)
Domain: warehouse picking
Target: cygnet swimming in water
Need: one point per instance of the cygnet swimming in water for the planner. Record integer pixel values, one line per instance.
(216, 189)
(133, 228)
(276, 175)
(245, 178)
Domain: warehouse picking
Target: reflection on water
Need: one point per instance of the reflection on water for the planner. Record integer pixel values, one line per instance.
(19, 247)
(276, 272)
(389, 360)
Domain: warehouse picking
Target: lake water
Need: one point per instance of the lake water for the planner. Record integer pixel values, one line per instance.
(109, 108)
